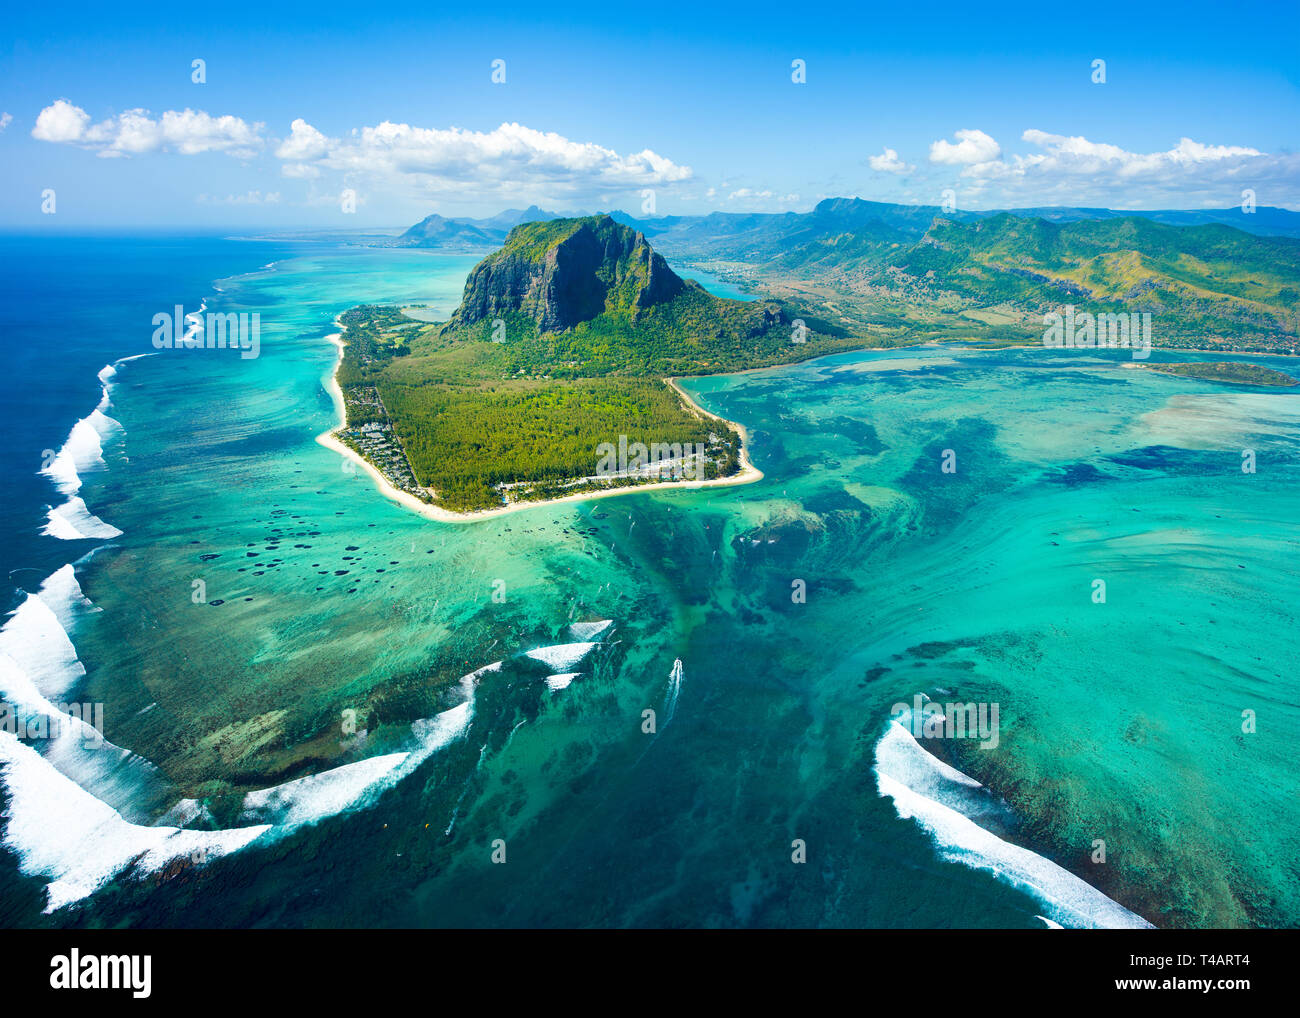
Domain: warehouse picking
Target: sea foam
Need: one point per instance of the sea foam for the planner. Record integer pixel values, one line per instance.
(65, 819)
(60, 831)
(72, 521)
(309, 799)
(82, 452)
(561, 657)
(934, 794)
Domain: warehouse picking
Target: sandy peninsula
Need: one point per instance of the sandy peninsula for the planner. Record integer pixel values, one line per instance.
(747, 474)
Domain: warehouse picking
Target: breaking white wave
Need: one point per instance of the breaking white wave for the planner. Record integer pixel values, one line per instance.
(39, 667)
(194, 324)
(900, 756)
(468, 682)
(59, 830)
(66, 802)
(35, 645)
(306, 800)
(82, 451)
(557, 682)
(72, 521)
(61, 591)
(443, 729)
(355, 785)
(561, 657)
(935, 795)
(436, 732)
(589, 630)
(106, 375)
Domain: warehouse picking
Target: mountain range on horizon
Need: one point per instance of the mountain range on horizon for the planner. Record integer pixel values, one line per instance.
(463, 232)
(912, 273)
(829, 216)
(569, 328)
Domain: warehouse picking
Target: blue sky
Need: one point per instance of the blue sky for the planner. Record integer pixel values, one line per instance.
(603, 103)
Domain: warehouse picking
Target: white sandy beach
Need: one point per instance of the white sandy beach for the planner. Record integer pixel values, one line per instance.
(747, 475)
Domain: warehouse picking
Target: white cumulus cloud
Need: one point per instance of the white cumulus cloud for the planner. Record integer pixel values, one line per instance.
(888, 162)
(1079, 155)
(1073, 170)
(61, 122)
(304, 143)
(136, 131)
(510, 161)
(972, 146)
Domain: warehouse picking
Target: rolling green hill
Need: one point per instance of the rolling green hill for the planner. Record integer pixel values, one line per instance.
(1203, 285)
(906, 273)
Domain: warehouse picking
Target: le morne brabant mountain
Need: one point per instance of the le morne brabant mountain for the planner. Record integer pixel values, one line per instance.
(567, 332)
(562, 343)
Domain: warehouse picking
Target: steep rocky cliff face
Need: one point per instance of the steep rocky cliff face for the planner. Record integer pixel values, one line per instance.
(568, 271)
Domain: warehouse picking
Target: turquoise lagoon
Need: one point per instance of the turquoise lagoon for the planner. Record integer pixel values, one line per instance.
(345, 727)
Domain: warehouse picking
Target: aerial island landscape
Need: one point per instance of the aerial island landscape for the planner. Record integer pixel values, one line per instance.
(544, 499)
(565, 330)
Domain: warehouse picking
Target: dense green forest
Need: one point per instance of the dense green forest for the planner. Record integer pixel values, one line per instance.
(472, 414)
(463, 440)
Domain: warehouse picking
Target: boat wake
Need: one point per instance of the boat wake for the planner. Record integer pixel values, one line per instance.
(674, 690)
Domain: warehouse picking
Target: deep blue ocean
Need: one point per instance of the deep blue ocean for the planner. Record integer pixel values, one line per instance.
(69, 306)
